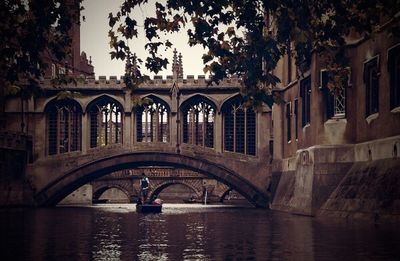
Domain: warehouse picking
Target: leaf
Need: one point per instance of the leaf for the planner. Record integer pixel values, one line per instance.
(221, 36)
(206, 69)
(168, 44)
(230, 31)
(225, 45)
(206, 58)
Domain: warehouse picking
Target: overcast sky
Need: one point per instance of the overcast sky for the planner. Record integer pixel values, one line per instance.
(95, 41)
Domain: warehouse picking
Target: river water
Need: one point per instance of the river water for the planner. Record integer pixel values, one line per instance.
(188, 232)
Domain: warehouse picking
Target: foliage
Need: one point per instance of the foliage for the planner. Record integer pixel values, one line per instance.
(133, 76)
(66, 94)
(139, 102)
(247, 38)
(33, 33)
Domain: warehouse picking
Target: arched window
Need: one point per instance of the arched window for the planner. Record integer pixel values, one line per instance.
(152, 122)
(239, 127)
(198, 123)
(105, 122)
(64, 120)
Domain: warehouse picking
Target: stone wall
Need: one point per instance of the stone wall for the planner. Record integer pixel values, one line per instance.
(15, 152)
(361, 180)
(81, 196)
(114, 195)
(370, 190)
(306, 181)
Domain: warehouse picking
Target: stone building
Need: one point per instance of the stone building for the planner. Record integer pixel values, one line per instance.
(16, 141)
(77, 63)
(337, 153)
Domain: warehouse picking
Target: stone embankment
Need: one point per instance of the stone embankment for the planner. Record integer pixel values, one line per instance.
(359, 181)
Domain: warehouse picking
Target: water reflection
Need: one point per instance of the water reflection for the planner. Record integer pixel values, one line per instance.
(153, 240)
(107, 239)
(180, 233)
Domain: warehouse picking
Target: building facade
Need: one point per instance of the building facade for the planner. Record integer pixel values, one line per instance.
(336, 153)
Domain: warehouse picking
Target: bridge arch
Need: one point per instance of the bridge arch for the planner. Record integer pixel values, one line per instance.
(160, 187)
(68, 182)
(98, 191)
(224, 195)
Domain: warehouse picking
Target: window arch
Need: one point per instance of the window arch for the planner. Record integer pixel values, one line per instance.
(64, 126)
(239, 127)
(198, 122)
(105, 116)
(152, 122)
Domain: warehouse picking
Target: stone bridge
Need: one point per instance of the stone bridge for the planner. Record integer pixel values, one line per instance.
(72, 172)
(128, 182)
(183, 123)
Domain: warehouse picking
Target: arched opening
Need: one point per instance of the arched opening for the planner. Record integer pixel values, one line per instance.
(174, 192)
(152, 121)
(105, 116)
(232, 197)
(68, 182)
(239, 127)
(198, 121)
(63, 126)
(111, 194)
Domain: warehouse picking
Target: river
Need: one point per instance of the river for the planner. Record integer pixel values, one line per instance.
(188, 232)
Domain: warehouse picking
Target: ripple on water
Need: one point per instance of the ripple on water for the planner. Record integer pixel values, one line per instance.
(197, 232)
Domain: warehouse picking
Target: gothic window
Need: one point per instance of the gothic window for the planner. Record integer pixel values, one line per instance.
(64, 120)
(198, 122)
(371, 81)
(152, 123)
(239, 127)
(105, 122)
(394, 74)
(305, 91)
(334, 101)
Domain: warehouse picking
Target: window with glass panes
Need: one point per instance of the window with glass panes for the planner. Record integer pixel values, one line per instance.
(64, 127)
(371, 82)
(152, 122)
(198, 122)
(239, 127)
(105, 116)
(394, 74)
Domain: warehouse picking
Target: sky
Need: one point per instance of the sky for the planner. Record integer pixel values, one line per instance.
(95, 41)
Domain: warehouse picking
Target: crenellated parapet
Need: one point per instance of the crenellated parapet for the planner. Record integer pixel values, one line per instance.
(113, 82)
